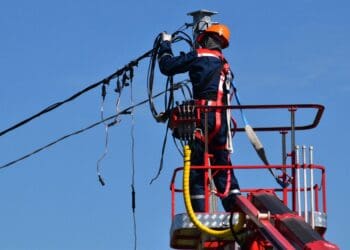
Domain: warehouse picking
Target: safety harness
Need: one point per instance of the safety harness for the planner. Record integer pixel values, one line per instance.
(223, 98)
(185, 119)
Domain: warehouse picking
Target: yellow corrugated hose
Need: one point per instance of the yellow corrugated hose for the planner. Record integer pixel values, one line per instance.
(186, 193)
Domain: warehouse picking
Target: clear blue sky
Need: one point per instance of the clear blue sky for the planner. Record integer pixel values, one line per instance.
(295, 52)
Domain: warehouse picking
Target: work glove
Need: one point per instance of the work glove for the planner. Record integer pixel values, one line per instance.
(166, 37)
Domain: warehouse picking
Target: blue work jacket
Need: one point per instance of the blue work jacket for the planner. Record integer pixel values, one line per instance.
(204, 71)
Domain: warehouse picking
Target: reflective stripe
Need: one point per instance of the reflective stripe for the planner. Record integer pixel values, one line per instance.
(221, 84)
(235, 191)
(197, 196)
(202, 196)
(207, 54)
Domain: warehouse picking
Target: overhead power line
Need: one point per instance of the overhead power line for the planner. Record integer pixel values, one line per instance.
(124, 111)
(127, 68)
(106, 80)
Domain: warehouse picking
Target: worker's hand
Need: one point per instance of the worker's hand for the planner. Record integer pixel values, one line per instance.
(166, 37)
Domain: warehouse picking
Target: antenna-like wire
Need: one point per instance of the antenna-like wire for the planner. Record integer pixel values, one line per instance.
(133, 192)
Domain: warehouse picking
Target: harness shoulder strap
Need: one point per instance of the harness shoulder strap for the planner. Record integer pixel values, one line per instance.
(201, 52)
(208, 52)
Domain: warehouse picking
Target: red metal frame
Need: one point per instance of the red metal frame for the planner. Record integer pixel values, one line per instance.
(290, 107)
(284, 191)
(265, 226)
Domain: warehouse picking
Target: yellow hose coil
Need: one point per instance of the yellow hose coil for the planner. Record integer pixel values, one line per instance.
(186, 190)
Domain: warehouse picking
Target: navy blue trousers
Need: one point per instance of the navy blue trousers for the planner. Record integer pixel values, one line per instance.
(220, 157)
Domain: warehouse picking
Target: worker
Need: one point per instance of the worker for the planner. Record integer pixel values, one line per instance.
(211, 79)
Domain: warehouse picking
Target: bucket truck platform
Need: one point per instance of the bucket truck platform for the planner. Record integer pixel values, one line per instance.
(292, 216)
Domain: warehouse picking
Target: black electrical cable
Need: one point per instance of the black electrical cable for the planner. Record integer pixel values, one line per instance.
(123, 112)
(51, 107)
(150, 75)
(170, 106)
(189, 92)
(98, 166)
(127, 79)
(178, 38)
(168, 101)
(132, 134)
(234, 234)
(150, 80)
(119, 90)
(134, 216)
(79, 93)
(106, 80)
(162, 154)
(177, 146)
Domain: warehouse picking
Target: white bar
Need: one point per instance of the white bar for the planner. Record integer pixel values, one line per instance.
(306, 215)
(311, 154)
(297, 160)
(213, 204)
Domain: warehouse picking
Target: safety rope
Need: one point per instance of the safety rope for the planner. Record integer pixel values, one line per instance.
(254, 139)
(227, 186)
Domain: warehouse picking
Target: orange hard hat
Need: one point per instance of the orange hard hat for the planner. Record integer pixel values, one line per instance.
(219, 29)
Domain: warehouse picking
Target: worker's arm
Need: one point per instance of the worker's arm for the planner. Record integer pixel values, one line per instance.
(169, 64)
